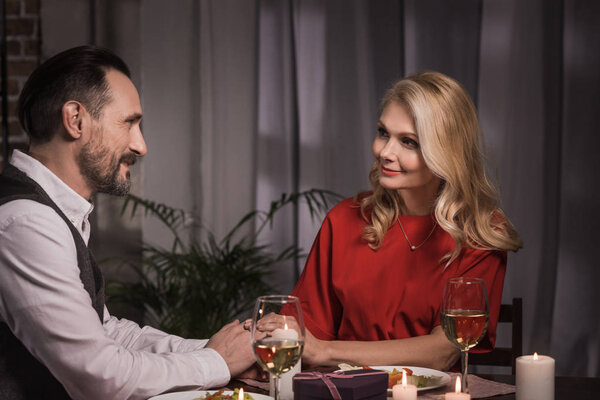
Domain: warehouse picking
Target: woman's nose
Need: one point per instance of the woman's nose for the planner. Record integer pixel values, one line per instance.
(387, 152)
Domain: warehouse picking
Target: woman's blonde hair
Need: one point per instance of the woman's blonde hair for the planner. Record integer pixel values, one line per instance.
(467, 206)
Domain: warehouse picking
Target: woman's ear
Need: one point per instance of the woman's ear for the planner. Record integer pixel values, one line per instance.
(72, 116)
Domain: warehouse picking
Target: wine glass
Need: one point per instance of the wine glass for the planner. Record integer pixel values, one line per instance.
(464, 316)
(279, 348)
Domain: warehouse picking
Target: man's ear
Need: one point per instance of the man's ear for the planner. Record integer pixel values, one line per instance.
(72, 118)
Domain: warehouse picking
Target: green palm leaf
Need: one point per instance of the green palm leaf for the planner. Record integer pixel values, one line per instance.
(193, 289)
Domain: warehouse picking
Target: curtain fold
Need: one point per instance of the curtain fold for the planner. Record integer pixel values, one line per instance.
(574, 328)
(444, 36)
(511, 114)
(276, 147)
(225, 161)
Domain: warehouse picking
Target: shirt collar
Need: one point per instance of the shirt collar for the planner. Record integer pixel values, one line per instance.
(75, 207)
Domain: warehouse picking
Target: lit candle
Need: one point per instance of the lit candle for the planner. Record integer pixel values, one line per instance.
(285, 381)
(457, 395)
(404, 391)
(241, 394)
(284, 333)
(535, 377)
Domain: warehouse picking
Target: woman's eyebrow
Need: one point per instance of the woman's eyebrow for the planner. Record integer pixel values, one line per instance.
(381, 125)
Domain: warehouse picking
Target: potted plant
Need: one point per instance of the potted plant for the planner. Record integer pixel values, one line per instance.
(195, 287)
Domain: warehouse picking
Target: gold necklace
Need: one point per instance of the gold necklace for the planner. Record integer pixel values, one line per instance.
(413, 248)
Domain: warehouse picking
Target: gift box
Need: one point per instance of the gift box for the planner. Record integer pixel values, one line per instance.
(360, 384)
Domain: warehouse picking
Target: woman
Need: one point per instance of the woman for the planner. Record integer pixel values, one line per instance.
(372, 286)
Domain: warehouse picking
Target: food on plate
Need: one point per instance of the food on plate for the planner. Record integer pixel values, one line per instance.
(221, 396)
(419, 381)
(395, 378)
(348, 367)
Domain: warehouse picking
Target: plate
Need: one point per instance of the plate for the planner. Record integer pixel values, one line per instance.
(418, 371)
(200, 393)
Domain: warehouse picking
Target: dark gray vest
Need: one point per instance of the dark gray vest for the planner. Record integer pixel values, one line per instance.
(21, 375)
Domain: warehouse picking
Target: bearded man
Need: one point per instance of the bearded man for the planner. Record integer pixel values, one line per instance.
(57, 339)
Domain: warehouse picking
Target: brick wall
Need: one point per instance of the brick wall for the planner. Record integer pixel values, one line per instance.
(23, 55)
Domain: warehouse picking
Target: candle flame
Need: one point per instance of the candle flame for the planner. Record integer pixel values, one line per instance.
(535, 356)
(457, 388)
(241, 394)
(285, 327)
(404, 379)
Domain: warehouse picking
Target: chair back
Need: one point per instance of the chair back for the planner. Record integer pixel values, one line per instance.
(505, 356)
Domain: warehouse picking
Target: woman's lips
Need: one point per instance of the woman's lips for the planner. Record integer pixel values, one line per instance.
(387, 171)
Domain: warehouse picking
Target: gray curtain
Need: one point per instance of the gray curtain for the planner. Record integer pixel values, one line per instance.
(246, 99)
(532, 68)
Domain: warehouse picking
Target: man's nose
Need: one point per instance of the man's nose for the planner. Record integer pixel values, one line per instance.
(138, 144)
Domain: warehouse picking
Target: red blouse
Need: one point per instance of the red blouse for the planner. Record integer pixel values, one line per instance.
(350, 292)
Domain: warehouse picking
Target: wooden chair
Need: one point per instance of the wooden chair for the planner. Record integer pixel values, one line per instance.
(505, 356)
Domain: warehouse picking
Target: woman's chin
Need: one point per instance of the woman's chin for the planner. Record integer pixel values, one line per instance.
(391, 184)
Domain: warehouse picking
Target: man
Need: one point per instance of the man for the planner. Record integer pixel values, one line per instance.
(57, 340)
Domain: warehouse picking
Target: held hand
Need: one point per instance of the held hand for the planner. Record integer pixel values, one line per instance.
(232, 342)
(247, 324)
(315, 350)
(254, 372)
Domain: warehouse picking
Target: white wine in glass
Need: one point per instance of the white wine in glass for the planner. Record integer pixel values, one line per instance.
(464, 316)
(278, 350)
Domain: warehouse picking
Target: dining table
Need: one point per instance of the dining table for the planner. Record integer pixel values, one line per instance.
(566, 387)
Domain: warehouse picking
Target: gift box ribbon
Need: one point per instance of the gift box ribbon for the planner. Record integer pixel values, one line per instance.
(325, 377)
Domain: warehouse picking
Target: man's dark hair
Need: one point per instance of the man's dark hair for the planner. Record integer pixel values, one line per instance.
(75, 74)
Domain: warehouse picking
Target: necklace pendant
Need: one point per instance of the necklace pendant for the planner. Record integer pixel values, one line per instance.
(413, 248)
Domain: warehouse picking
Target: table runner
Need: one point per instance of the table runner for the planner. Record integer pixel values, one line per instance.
(479, 387)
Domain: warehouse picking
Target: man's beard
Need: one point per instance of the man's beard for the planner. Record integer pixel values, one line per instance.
(101, 171)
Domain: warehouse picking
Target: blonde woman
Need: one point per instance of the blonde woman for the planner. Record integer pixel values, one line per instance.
(372, 286)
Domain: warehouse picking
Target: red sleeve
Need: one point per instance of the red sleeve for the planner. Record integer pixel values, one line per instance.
(491, 267)
(321, 308)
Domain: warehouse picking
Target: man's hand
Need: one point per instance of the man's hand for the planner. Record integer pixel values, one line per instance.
(232, 342)
(315, 350)
(254, 372)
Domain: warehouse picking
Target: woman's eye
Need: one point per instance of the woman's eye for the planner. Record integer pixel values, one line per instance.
(410, 143)
(382, 133)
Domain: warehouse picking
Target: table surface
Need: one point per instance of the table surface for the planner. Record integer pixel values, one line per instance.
(568, 388)
(565, 387)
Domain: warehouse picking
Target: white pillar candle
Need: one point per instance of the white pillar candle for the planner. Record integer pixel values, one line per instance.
(285, 381)
(457, 395)
(286, 387)
(535, 377)
(404, 391)
(284, 333)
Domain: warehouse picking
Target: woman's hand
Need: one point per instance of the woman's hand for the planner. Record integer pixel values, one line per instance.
(315, 350)
(432, 351)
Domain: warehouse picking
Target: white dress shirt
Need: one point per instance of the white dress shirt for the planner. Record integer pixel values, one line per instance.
(43, 301)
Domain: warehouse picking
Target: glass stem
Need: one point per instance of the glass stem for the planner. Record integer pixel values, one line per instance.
(276, 387)
(464, 367)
